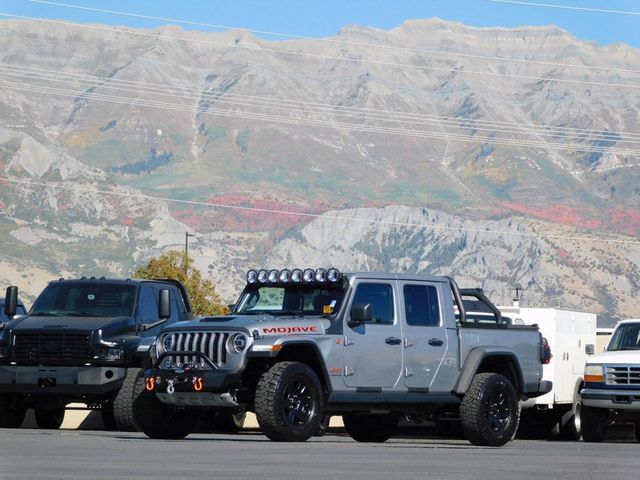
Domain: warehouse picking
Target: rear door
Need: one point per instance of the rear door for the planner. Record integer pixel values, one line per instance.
(425, 340)
(373, 351)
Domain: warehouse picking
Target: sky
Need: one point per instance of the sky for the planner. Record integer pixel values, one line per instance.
(324, 18)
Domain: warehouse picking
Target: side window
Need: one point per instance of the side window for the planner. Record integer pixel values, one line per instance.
(421, 305)
(147, 304)
(380, 296)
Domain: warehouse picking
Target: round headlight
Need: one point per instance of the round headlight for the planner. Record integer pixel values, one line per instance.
(262, 276)
(333, 275)
(296, 275)
(238, 342)
(285, 276)
(321, 275)
(252, 276)
(273, 276)
(167, 343)
(307, 276)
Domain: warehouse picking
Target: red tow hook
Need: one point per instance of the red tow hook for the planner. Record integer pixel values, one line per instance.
(150, 384)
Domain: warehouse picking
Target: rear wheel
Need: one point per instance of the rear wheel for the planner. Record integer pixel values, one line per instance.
(12, 411)
(288, 402)
(489, 411)
(49, 418)
(593, 423)
(161, 421)
(370, 428)
(122, 405)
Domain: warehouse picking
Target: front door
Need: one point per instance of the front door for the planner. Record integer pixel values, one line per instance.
(425, 341)
(373, 351)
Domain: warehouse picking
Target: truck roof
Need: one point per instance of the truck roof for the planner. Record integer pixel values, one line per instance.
(397, 276)
(630, 320)
(134, 281)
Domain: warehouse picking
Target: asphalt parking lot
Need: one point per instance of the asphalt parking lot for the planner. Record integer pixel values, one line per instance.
(74, 454)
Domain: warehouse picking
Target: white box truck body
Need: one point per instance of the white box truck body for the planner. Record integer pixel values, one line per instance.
(571, 336)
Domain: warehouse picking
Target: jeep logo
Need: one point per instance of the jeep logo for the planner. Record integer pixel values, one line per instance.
(288, 330)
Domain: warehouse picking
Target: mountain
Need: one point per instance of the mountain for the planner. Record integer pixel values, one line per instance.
(261, 144)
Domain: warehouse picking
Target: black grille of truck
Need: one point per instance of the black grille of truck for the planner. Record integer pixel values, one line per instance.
(210, 344)
(48, 347)
(622, 375)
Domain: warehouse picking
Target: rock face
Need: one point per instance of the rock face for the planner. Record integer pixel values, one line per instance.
(511, 171)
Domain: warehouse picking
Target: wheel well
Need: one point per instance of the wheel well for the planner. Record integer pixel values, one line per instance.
(308, 355)
(504, 365)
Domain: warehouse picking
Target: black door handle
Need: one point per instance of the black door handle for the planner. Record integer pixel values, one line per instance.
(393, 341)
(436, 342)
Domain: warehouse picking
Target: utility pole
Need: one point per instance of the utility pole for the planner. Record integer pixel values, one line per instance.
(186, 248)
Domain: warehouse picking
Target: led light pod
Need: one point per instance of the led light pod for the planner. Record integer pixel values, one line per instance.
(296, 275)
(273, 276)
(307, 275)
(285, 276)
(252, 276)
(321, 275)
(333, 275)
(263, 275)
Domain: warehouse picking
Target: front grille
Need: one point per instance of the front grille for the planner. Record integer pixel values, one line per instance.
(210, 344)
(47, 347)
(622, 375)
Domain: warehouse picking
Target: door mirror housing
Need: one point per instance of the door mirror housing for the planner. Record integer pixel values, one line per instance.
(11, 301)
(360, 313)
(589, 349)
(164, 306)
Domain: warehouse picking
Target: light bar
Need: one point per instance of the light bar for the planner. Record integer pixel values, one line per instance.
(297, 275)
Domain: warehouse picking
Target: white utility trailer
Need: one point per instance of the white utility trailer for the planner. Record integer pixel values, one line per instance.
(572, 337)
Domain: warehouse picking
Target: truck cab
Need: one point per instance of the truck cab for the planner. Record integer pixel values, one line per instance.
(84, 340)
(611, 391)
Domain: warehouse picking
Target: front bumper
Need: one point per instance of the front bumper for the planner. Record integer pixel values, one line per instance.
(75, 381)
(195, 388)
(616, 399)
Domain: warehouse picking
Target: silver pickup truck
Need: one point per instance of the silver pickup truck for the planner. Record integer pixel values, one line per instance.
(303, 344)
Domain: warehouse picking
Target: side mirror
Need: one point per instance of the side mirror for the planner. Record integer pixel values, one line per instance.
(11, 301)
(589, 349)
(360, 313)
(164, 307)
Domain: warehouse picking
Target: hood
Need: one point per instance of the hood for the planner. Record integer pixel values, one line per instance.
(265, 325)
(65, 323)
(626, 357)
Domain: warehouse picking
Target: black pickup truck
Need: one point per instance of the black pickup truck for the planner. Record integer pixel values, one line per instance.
(84, 340)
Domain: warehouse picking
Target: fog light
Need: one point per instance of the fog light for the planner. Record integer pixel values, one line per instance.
(114, 353)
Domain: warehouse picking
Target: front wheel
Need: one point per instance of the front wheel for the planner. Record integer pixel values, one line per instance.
(369, 427)
(161, 421)
(593, 423)
(122, 406)
(12, 411)
(288, 402)
(489, 411)
(49, 418)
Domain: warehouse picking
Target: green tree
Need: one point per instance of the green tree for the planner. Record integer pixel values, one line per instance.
(174, 265)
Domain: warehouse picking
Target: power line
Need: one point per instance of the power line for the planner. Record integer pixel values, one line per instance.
(314, 215)
(335, 41)
(566, 7)
(327, 123)
(460, 71)
(463, 124)
(272, 102)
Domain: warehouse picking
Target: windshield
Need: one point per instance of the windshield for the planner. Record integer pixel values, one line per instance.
(86, 300)
(290, 300)
(626, 337)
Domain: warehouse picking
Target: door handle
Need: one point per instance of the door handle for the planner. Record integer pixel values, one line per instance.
(393, 341)
(435, 342)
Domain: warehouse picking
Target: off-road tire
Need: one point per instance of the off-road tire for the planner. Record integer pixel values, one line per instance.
(636, 427)
(49, 418)
(489, 411)
(161, 421)
(11, 411)
(123, 402)
(289, 402)
(593, 423)
(369, 427)
(323, 426)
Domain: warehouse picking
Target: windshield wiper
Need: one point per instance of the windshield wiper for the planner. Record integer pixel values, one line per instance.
(86, 314)
(47, 314)
(290, 312)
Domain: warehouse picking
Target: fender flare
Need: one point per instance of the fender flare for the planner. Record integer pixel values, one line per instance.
(474, 360)
(287, 344)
